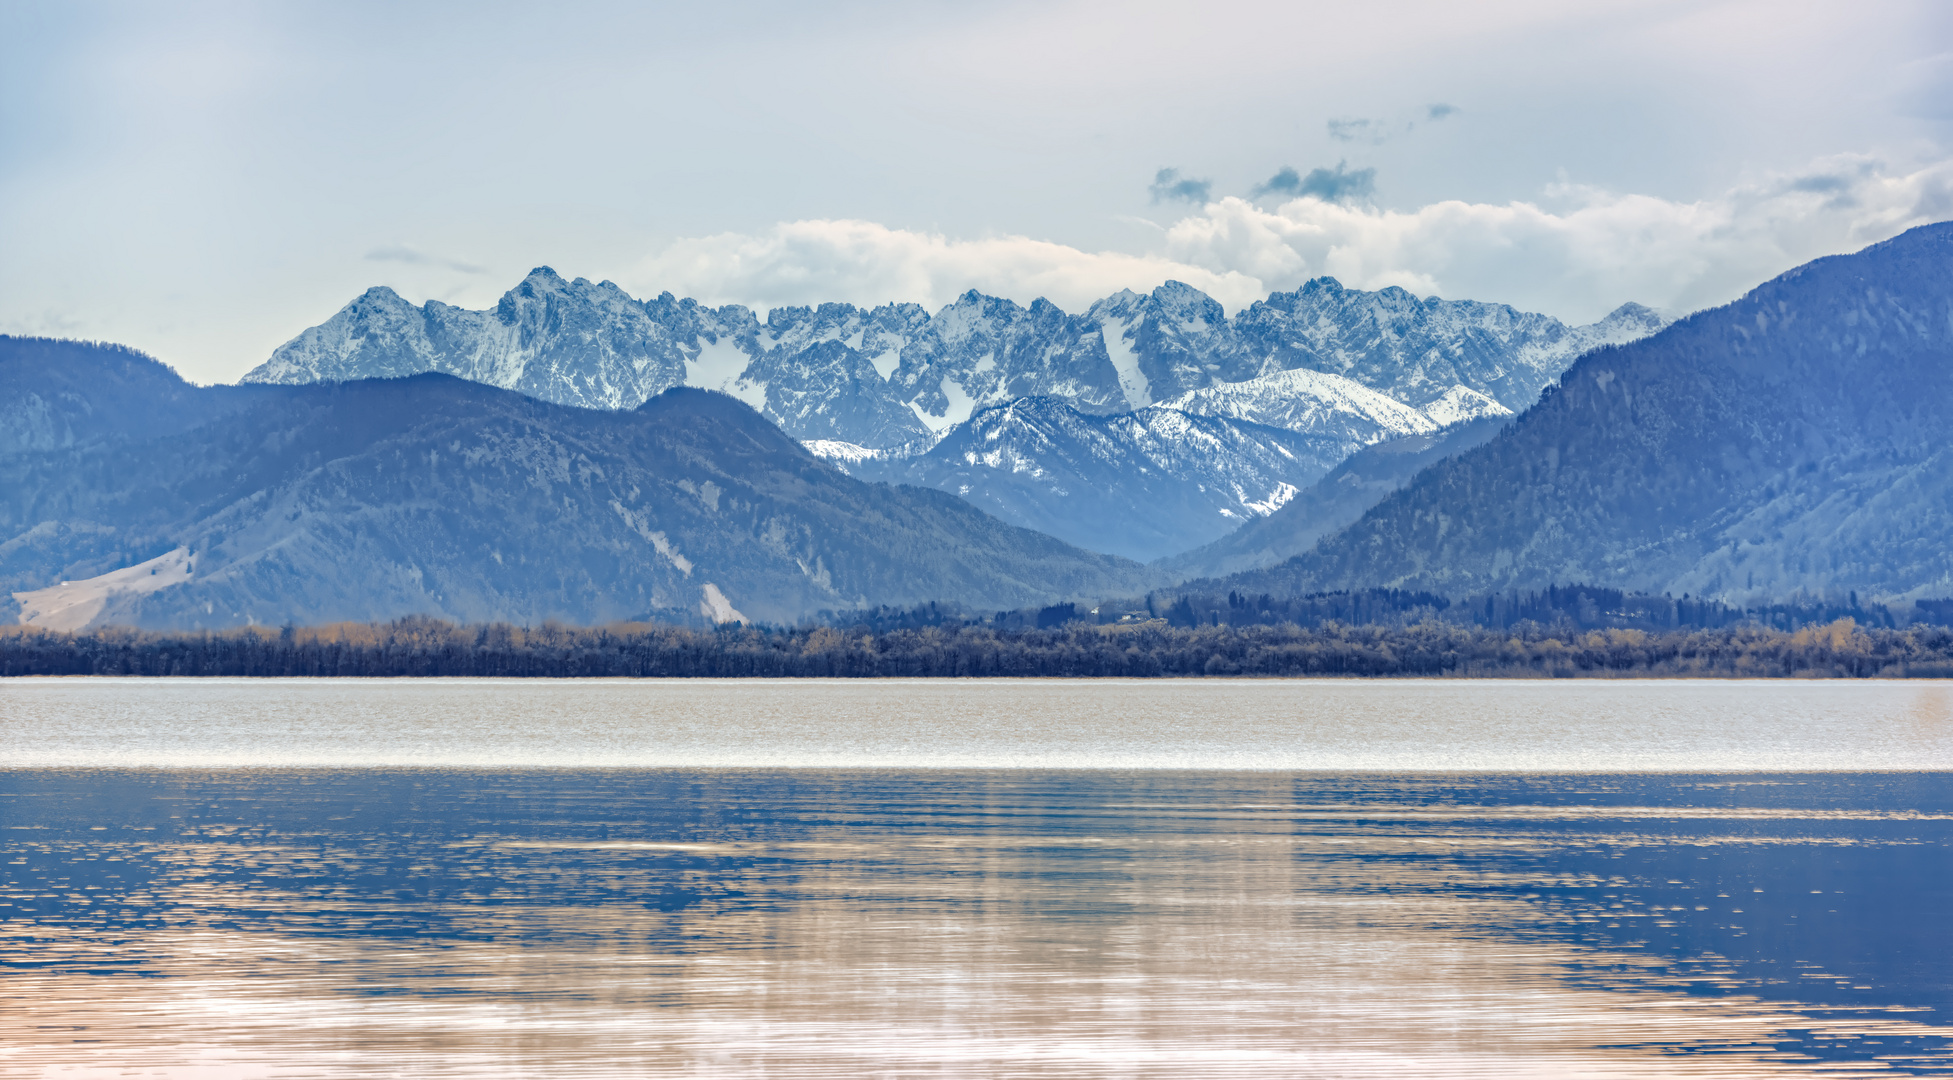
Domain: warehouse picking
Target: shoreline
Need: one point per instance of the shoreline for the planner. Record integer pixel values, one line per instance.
(423, 647)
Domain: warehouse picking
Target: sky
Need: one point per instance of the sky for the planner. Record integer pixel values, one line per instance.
(205, 180)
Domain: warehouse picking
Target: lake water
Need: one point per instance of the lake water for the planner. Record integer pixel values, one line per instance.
(1131, 879)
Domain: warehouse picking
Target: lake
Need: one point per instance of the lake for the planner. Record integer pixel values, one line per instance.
(985, 878)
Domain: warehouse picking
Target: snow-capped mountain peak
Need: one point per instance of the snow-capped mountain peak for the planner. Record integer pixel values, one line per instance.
(1179, 420)
(893, 374)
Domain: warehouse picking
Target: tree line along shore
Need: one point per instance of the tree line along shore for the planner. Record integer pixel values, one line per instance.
(426, 647)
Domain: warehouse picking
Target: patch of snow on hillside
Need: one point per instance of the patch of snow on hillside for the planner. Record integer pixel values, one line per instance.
(846, 453)
(961, 405)
(1139, 393)
(641, 524)
(886, 363)
(1275, 501)
(72, 605)
(1462, 403)
(716, 607)
(662, 544)
(720, 365)
(1310, 402)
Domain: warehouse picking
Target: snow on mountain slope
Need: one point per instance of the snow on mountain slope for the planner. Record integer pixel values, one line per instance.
(890, 375)
(1364, 479)
(1172, 340)
(1142, 484)
(1117, 334)
(841, 453)
(1461, 404)
(1310, 402)
(1169, 477)
(1415, 349)
(73, 605)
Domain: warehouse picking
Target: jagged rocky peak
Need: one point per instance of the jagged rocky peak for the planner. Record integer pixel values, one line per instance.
(1629, 322)
(1123, 304)
(687, 319)
(1181, 299)
(801, 327)
(1418, 350)
(973, 314)
(885, 376)
(378, 335)
(541, 281)
(379, 298)
(1166, 342)
(984, 350)
(602, 306)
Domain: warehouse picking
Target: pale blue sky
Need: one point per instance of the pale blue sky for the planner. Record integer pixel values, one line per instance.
(204, 180)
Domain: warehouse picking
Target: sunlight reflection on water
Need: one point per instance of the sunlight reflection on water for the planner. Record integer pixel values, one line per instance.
(682, 921)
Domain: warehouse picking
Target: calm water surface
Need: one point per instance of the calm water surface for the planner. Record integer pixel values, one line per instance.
(1132, 879)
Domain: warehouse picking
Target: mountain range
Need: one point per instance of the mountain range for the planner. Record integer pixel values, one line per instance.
(1086, 445)
(377, 498)
(892, 375)
(1797, 442)
(1141, 484)
(1155, 481)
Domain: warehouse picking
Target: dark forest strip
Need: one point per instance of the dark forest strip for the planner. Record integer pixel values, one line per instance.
(429, 647)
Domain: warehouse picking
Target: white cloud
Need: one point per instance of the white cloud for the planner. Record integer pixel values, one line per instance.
(413, 256)
(1577, 253)
(1596, 250)
(808, 262)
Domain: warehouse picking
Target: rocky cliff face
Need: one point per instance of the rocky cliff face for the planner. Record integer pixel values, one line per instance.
(1418, 350)
(892, 375)
(1797, 440)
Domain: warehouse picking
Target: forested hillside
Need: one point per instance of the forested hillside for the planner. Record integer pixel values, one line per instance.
(1799, 440)
(432, 495)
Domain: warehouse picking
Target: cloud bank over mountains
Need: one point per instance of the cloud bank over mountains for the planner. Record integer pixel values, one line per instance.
(1575, 253)
(201, 179)
(861, 262)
